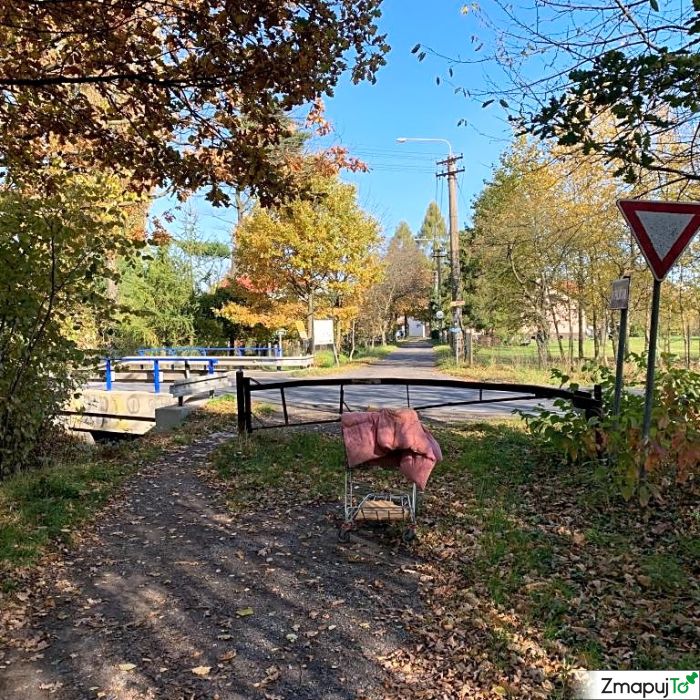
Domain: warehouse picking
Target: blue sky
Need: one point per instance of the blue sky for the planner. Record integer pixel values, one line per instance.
(406, 101)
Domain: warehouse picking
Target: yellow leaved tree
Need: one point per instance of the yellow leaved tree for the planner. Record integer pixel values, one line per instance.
(305, 258)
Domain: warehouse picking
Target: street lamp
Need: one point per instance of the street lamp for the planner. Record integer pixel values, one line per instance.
(405, 139)
(457, 302)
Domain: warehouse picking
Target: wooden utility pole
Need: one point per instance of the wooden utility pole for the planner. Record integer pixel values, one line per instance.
(456, 331)
(438, 255)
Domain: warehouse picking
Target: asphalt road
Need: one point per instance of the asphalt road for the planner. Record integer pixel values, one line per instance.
(411, 361)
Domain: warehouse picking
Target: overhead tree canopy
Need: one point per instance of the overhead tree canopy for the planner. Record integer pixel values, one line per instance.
(189, 94)
(615, 77)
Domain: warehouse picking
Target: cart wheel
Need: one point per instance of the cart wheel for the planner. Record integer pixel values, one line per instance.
(408, 535)
(344, 533)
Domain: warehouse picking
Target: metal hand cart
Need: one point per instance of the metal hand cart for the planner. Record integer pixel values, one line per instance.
(388, 505)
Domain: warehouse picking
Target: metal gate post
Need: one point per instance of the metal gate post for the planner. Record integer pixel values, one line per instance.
(248, 406)
(240, 402)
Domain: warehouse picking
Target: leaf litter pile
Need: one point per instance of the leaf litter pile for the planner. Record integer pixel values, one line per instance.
(219, 576)
(532, 571)
(528, 571)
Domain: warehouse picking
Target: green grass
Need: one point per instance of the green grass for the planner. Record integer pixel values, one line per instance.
(223, 400)
(533, 535)
(514, 363)
(262, 467)
(527, 354)
(45, 505)
(324, 361)
(532, 550)
(665, 572)
(42, 507)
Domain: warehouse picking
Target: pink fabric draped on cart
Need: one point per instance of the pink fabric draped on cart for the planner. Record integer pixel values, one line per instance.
(391, 438)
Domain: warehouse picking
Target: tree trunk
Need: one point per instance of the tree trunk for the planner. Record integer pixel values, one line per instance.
(336, 343)
(562, 354)
(604, 339)
(580, 314)
(352, 340)
(596, 338)
(336, 356)
(310, 324)
(542, 340)
(581, 333)
(646, 329)
(571, 333)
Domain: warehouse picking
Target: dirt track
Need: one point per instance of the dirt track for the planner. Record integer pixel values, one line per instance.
(166, 581)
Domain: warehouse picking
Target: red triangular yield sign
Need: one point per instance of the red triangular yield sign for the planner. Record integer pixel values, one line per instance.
(662, 229)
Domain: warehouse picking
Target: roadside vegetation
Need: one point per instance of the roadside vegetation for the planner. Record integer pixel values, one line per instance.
(325, 361)
(529, 568)
(520, 363)
(46, 508)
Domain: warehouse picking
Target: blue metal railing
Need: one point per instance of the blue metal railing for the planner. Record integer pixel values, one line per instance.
(110, 362)
(195, 353)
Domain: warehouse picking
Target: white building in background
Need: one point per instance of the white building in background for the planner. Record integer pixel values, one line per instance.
(416, 328)
(412, 329)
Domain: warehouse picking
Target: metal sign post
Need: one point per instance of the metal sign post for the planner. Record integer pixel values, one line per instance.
(619, 300)
(651, 360)
(663, 231)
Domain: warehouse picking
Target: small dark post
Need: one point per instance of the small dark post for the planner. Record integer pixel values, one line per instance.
(248, 405)
(621, 349)
(156, 376)
(240, 402)
(620, 365)
(598, 396)
(108, 373)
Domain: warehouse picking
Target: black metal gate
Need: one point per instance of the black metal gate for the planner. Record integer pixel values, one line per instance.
(590, 402)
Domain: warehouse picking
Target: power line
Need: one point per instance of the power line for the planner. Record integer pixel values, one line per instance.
(466, 204)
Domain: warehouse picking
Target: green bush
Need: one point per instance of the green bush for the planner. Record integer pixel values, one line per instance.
(56, 248)
(672, 454)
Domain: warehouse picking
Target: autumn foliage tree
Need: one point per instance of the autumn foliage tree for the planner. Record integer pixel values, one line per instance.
(403, 287)
(185, 94)
(307, 257)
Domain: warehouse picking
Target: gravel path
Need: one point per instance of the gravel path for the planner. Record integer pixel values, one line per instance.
(168, 596)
